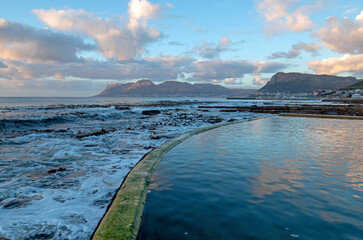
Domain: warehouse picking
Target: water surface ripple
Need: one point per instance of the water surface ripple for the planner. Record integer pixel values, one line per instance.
(273, 178)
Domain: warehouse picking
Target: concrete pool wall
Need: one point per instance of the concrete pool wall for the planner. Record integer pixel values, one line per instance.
(123, 217)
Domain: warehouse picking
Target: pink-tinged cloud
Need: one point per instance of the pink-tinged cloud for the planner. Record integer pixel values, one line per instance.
(347, 63)
(115, 39)
(219, 70)
(343, 35)
(156, 69)
(260, 81)
(280, 18)
(295, 51)
(22, 42)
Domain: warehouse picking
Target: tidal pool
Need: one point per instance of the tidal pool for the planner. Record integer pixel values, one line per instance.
(272, 178)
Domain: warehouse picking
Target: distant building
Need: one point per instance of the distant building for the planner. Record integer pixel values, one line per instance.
(356, 96)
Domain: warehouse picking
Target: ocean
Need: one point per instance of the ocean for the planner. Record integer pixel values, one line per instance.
(62, 159)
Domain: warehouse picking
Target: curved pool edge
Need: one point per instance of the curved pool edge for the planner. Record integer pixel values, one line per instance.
(123, 216)
(321, 116)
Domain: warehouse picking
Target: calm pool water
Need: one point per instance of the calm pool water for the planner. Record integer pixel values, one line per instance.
(272, 178)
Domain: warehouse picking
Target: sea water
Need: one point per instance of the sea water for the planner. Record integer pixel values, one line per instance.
(62, 159)
(272, 178)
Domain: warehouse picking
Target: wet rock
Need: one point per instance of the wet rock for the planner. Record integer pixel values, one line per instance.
(16, 203)
(60, 169)
(61, 130)
(59, 199)
(43, 235)
(37, 197)
(215, 120)
(101, 203)
(150, 112)
(155, 137)
(228, 110)
(2, 238)
(75, 218)
(232, 120)
(122, 108)
(97, 133)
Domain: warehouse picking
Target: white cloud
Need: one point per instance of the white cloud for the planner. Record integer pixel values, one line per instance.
(343, 35)
(115, 39)
(347, 63)
(22, 42)
(279, 17)
(295, 51)
(211, 50)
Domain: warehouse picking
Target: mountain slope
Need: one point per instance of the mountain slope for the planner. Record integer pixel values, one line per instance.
(358, 85)
(147, 88)
(305, 83)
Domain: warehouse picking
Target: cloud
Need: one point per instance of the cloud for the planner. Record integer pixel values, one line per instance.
(211, 50)
(347, 63)
(295, 51)
(279, 17)
(115, 39)
(260, 81)
(22, 42)
(196, 29)
(209, 70)
(343, 35)
(155, 68)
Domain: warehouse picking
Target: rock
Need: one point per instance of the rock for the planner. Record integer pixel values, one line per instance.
(150, 112)
(97, 133)
(60, 169)
(122, 108)
(232, 120)
(155, 137)
(215, 120)
(17, 203)
(43, 235)
(228, 110)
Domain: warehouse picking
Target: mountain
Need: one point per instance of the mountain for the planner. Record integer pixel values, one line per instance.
(358, 85)
(305, 83)
(147, 88)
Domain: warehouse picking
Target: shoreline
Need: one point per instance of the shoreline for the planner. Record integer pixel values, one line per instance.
(123, 216)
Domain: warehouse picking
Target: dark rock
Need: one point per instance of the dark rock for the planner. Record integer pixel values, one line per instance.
(122, 108)
(97, 133)
(228, 110)
(232, 120)
(17, 203)
(215, 120)
(60, 169)
(150, 112)
(43, 235)
(155, 137)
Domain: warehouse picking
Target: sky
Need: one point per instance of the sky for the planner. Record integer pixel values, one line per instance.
(76, 48)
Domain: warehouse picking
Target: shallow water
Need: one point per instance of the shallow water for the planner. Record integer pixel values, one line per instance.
(273, 178)
(62, 159)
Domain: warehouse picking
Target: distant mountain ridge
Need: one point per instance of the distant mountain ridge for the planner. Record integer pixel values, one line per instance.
(147, 88)
(305, 83)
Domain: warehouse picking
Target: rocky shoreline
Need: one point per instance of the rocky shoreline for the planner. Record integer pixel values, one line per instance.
(348, 110)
